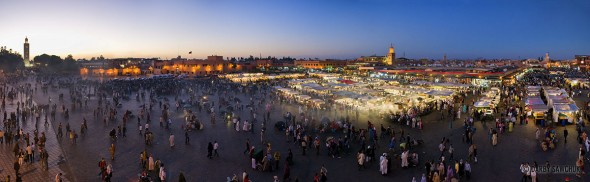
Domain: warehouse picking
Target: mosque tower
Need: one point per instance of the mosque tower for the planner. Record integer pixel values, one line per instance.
(26, 53)
(390, 56)
(546, 57)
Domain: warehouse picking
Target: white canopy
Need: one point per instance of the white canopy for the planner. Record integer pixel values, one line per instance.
(304, 97)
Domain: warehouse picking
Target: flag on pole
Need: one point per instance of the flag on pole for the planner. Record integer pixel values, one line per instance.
(191, 52)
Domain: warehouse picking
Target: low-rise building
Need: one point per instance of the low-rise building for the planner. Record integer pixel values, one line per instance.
(582, 61)
(321, 64)
(136, 66)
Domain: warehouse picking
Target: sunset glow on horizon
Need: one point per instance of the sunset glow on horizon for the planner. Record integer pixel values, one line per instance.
(301, 29)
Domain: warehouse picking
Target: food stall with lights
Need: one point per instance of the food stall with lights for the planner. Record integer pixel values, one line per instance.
(317, 103)
(564, 108)
(581, 82)
(564, 113)
(488, 102)
(484, 106)
(537, 109)
(535, 106)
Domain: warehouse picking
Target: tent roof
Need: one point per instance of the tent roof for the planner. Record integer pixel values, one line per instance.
(564, 107)
(534, 101)
(304, 97)
(347, 81)
(481, 104)
(440, 92)
(539, 108)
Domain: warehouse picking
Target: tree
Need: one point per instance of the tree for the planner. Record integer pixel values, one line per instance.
(69, 64)
(69, 58)
(9, 61)
(45, 60)
(54, 64)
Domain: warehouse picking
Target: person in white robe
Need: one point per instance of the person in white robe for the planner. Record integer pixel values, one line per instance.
(171, 139)
(383, 164)
(245, 127)
(405, 158)
(238, 125)
(151, 165)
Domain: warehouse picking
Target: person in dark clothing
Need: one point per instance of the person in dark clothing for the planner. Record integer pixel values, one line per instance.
(247, 146)
(16, 167)
(565, 133)
(290, 157)
(287, 174)
(186, 138)
(323, 177)
(210, 150)
(181, 178)
(426, 166)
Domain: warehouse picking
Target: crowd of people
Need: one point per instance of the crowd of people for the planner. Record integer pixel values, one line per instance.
(19, 110)
(307, 132)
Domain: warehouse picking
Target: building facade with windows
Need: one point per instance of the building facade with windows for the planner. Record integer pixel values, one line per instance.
(582, 61)
(137, 66)
(320, 64)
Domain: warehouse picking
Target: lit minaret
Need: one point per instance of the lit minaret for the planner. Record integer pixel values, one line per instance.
(26, 52)
(546, 56)
(390, 56)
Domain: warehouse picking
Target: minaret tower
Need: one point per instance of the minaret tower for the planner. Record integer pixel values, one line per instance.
(390, 56)
(26, 53)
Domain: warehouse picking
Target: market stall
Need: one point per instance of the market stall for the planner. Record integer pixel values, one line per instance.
(538, 112)
(303, 98)
(317, 103)
(484, 106)
(564, 113)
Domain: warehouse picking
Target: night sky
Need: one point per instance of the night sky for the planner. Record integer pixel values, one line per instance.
(463, 29)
